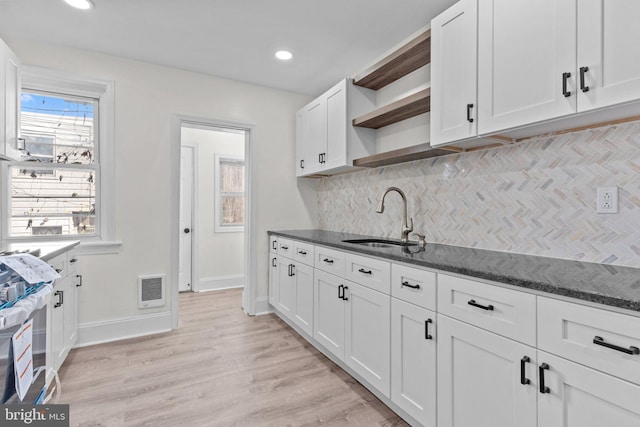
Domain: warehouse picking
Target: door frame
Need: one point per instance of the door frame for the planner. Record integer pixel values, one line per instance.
(249, 291)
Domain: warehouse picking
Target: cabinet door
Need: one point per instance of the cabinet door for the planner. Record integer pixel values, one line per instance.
(608, 33)
(314, 134)
(413, 361)
(300, 144)
(454, 68)
(479, 378)
(58, 322)
(524, 47)
(367, 335)
(336, 147)
(273, 279)
(582, 397)
(303, 307)
(286, 287)
(70, 314)
(328, 312)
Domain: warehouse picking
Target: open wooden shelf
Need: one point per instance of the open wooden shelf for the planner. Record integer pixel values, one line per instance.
(401, 62)
(402, 155)
(395, 112)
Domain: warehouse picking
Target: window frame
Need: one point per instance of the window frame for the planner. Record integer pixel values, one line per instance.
(64, 83)
(218, 226)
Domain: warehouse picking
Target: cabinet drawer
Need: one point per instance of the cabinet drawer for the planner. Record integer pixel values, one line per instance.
(329, 260)
(273, 244)
(572, 330)
(303, 252)
(372, 273)
(285, 247)
(414, 285)
(504, 311)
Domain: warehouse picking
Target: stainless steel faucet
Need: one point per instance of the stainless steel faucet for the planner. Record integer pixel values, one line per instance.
(406, 228)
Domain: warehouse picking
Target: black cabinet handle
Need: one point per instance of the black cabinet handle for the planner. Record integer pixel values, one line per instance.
(523, 379)
(427, 336)
(286, 248)
(274, 244)
(340, 288)
(469, 118)
(600, 341)
(273, 262)
(543, 389)
(301, 164)
(324, 157)
(58, 270)
(320, 158)
(409, 285)
(302, 252)
(60, 295)
(583, 70)
(328, 261)
(565, 77)
(79, 282)
(344, 293)
(72, 260)
(484, 307)
(292, 270)
(363, 271)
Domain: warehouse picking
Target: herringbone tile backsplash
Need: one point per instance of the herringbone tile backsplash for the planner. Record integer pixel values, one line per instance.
(536, 197)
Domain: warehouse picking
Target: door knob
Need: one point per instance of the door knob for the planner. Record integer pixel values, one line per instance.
(187, 230)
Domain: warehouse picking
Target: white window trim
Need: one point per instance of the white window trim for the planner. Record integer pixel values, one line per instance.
(44, 79)
(218, 227)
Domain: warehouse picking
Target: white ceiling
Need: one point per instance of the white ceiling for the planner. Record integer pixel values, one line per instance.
(235, 39)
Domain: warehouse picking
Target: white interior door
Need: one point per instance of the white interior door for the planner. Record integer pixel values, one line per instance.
(186, 215)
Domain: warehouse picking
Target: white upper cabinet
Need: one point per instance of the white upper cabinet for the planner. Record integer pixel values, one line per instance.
(9, 102)
(454, 73)
(608, 66)
(326, 140)
(526, 62)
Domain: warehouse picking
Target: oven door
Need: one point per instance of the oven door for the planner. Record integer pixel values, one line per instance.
(37, 391)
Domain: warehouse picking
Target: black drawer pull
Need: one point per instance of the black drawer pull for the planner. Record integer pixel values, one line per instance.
(302, 252)
(79, 282)
(409, 285)
(427, 336)
(72, 260)
(543, 388)
(273, 262)
(340, 291)
(328, 261)
(600, 341)
(523, 379)
(582, 85)
(286, 248)
(363, 271)
(344, 293)
(484, 307)
(274, 244)
(60, 295)
(469, 118)
(565, 77)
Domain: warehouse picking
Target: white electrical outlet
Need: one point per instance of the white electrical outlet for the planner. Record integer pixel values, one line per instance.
(607, 200)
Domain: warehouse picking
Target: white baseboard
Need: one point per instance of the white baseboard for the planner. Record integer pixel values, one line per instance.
(120, 329)
(263, 306)
(221, 282)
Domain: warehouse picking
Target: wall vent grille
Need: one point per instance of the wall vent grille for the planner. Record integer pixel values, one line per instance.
(151, 291)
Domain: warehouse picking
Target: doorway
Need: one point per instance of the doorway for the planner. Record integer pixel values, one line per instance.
(213, 217)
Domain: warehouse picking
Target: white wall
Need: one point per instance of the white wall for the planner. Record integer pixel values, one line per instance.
(146, 98)
(220, 256)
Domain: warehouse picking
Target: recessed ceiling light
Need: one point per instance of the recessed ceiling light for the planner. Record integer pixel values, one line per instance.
(284, 55)
(80, 4)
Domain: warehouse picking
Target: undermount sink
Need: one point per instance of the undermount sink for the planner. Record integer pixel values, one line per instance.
(379, 243)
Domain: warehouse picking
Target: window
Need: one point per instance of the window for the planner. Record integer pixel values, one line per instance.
(230, 193)
(63, 184)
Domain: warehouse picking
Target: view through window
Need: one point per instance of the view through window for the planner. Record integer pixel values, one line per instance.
(231, 192)
(53, 187)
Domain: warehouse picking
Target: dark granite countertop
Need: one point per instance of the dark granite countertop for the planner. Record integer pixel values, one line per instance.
(600, 283)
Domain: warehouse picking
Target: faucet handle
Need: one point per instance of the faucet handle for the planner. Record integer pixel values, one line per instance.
(421, 239)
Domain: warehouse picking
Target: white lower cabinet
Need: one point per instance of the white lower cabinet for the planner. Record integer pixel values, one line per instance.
(328, 312)
(293, 294)
(286, 287)
(367, 335)
(413, 361)
(578, 396)
(273, 279)
(480, 378)
(303, 297)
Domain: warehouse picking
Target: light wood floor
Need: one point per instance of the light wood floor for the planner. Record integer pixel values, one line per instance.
(219, 368)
